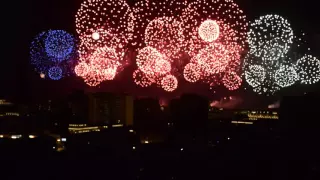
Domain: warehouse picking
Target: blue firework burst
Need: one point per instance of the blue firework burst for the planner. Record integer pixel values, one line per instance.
(59, 44)
(55, 73)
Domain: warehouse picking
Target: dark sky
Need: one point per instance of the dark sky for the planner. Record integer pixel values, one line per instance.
(23, 20)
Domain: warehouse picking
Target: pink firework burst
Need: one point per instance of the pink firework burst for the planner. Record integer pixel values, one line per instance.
(201, 19)
(169, 83)
(151, 62)
(95, 16)
(192, 72)
(166, 35)
(215, 57)
(81, 69)
(209, 30)
(232, 81)
(100, 66)
(153, 14)
(141, 79)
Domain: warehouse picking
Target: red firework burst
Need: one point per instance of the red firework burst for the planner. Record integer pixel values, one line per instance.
(151, 62)
(232, 81)
(142, 79)
(169, 83)
(166, 35)
(192, 72)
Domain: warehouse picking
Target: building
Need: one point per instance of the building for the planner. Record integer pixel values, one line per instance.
(10, 117)
(111, 109)
(242, 116)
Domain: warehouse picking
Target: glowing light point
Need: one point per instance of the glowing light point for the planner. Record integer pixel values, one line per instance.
(95, 36)
(209, 30)
(42, 75)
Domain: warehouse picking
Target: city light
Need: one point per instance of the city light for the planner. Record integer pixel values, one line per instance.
(32, 136)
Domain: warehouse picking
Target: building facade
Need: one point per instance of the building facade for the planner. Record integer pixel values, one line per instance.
(111, 109)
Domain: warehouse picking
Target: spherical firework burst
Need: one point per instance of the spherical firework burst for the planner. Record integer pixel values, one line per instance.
(232, 81)
(260, 75)
(100, 66)
(215, 57)
(255, 75)
(114, 16)
(151, 62)
(45, 52)
(286, 76)
(142, 79)
(268, 87)
(270, 37)
(308, 68)
(105, 58)
(100, 39)
(169, 83)
(166, 35)
(38, 55)
(59, 44)
(192, 72)
(209, 30)
(55, 73)
(93, 78)
(161, 13)
(81, 69)
(226, 13)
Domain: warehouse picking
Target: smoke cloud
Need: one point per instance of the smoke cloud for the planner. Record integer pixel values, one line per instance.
(274, 105)
(227, 102)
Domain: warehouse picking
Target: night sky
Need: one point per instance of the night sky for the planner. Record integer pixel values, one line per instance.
(23, 20)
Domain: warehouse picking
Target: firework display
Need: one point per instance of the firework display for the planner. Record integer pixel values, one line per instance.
(209, 31)
(97, 19)
(271, 63)
(255, 75)
(54, 49)
(214, 20)
(159, 17)
(215, 41)
(192, 41)
(105, 27)
(100, 66)
(232, 81)
(169, 83)
(286, 76)
(151, 62)
(192, 72)
(166, 35)
(270, 37)
(55, 73)
(308, 68)
(260, 75)
(59, 44)
(142, 79)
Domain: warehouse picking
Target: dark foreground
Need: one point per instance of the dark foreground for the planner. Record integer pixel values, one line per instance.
(245, 154)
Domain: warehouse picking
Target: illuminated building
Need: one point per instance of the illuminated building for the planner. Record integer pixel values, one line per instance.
(242, 116)
(8, 109)
(105, 108)
(10, 118)
(85, 128)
